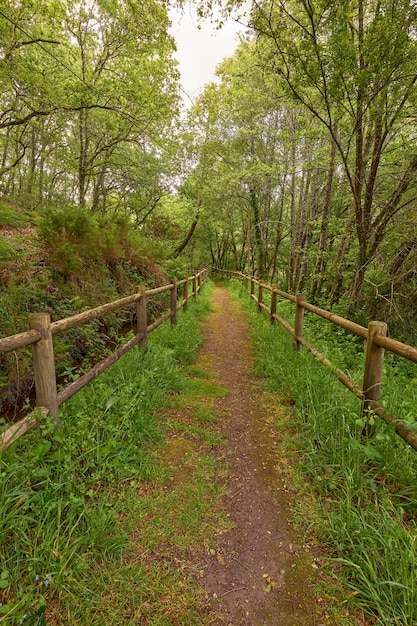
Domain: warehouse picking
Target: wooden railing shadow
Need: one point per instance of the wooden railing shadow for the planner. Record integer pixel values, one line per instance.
(40, 337)
(376, 343)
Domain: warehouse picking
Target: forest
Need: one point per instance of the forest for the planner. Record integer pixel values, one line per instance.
(297, 165)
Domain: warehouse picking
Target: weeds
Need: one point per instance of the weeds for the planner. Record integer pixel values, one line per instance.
(66, 261)
(364, 488)
(82, 510)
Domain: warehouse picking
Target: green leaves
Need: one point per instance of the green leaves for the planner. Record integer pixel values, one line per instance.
(4, 579)
(90, 90)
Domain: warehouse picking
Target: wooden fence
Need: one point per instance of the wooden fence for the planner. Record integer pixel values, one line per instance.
(376, 343)
(40, 337)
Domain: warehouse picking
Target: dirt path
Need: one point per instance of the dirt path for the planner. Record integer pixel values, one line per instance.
(259, 575)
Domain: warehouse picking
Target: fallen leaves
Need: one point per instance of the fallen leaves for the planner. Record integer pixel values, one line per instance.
(270, 584)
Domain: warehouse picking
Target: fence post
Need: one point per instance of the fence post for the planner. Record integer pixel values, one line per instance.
(44, 364)
(185, 293)
(173, 298)
(274, 296)
(252, 285)
(141, 318)
(199, 280)
(194, 285)
(372, 377)
(260, 289)
(299, 320)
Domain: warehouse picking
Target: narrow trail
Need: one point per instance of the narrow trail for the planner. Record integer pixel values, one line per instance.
(259, 574)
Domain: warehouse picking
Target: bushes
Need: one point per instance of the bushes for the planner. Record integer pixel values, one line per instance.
(74, 238)
(74, 260)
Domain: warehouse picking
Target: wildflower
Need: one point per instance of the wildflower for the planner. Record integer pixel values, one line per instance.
(37, 577)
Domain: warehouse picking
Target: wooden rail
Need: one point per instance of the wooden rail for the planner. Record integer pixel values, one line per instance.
(40, 337)
(376, 343)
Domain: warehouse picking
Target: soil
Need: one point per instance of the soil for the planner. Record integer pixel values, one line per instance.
(260, 573)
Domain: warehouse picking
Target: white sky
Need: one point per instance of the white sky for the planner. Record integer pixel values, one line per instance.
(200, 50)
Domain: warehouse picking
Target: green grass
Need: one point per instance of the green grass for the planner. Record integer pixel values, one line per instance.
(203, 415)
(97, 519)
(365, 489)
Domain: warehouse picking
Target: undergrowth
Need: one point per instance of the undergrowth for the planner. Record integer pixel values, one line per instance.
(84, 508)
(366, 489)
(65, 261)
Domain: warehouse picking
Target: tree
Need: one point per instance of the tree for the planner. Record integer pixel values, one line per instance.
(350, 65)
(242, 129)
(106, 83)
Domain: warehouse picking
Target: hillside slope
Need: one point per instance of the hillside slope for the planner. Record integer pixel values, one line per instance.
(64, 261)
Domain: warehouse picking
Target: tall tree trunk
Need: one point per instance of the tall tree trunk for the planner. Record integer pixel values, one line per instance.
(291, 260)
(339, 265)
(321, 261)
(99, 190)
(41, 179)
(308, 234)
(5, 148)
(254, 202)
(272, 269)
(32, 163)
(361, 220)
(249, 243)
(300, 226)
(82, 159)
(190, 233)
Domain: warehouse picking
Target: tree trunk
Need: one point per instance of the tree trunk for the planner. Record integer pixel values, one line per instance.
(291, 264)
(300, 226)
(308, 234)
(272, 269)
(190, 233)
(321, 262)
(82, 158)
(258, 233)
(99, 191)
(339, 265)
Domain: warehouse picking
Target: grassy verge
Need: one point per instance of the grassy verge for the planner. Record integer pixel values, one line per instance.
(97, 520)
(365, 489)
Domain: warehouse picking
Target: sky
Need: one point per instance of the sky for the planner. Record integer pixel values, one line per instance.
(200, 50)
